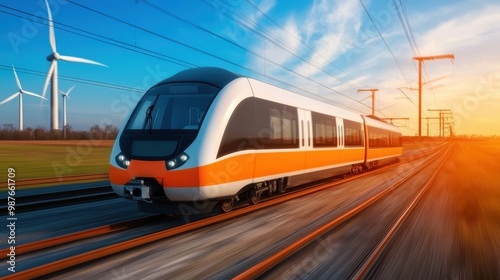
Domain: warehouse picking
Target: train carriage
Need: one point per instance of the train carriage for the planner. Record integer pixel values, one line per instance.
(384, 141)
(207, 136)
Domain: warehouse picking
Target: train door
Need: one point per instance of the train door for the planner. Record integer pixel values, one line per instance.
(366, 142)
(340, 132)
(305, 129)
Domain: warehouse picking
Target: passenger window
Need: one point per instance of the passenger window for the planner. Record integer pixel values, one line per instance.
(260, 124)
(323, 130)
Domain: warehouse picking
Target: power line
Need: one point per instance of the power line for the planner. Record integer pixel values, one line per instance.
(401, 69)
(405, 23)
(100, 38)
(103, 39)
(144, 51)
(311, 61)
(73, 79)
(279, 43)
(403, 18)
(226, 40)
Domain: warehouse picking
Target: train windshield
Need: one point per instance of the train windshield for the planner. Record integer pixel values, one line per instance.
(179, 106)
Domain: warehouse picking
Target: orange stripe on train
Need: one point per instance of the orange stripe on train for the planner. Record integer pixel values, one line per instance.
(383, 152)
(242, 167)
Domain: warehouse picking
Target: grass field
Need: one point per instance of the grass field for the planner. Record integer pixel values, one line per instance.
(41, 159)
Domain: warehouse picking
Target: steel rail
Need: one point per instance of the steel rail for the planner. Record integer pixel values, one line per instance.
(52, 199)
(76, 236)
(280, 256)
(58, 180)
(365, 267)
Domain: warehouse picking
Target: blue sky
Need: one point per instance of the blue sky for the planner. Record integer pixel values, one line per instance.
(327, 49)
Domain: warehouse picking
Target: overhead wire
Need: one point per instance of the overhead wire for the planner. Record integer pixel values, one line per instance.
(308, 47)
(144, 51)
(311, 49)
(99, 38)
(215, 56)
(72, 79)
(116, 43)
(405, 23)
(278, 42)
(401, 68)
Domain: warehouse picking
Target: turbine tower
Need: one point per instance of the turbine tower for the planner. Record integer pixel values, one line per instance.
(64, 96)
(20, 93)
(53, 58)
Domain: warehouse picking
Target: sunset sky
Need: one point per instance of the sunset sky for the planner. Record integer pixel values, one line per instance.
(325, 49)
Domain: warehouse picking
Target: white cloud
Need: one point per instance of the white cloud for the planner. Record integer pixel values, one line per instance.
(320, 34)
(333, 31)
(264, 6)
(475, 28)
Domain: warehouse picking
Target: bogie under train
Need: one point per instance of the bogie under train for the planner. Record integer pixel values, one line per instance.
(207, 136)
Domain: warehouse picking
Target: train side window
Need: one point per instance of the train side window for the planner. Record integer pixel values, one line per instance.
(281, 126)
(353, 134)
(324, 130)
(289, 129)
(260, 124)
(275, 125)
(381, 138)
(240, 133)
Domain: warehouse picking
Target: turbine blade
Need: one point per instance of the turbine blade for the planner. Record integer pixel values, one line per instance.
(69, 91)
(52, 37)
(49, 75)
(17, 79)
(34, 94)
(79, 59)
(10, 98)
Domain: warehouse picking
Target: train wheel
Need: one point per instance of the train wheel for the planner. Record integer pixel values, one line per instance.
(252, 197)
(226, 205)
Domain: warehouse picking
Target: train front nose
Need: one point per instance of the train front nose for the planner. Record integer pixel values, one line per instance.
(140, 180)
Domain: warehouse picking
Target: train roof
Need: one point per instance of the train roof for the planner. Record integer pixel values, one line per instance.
(380, 123)
(209, 75)
(220, 78)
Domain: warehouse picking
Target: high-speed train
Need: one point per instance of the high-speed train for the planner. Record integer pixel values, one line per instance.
(207, 137)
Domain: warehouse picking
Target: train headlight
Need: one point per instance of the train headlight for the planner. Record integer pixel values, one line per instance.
(122, 161)
(171, 163)
(177, 161)
(183, 157)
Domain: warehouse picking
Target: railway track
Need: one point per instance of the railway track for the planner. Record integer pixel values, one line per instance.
(76, 259)
(365, 267)
(72, 237)
(35, 199)
(56, 180)
(60, 198)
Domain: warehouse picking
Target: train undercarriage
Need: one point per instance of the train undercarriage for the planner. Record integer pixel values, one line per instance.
(151, 197)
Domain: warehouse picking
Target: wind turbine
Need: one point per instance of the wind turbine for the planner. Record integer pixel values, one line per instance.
(20, 94)
(64, 96)
(53, 58)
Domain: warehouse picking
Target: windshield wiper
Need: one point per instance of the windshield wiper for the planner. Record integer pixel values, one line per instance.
(149, 118)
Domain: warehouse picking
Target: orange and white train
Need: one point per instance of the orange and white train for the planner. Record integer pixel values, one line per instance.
(207, 137)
